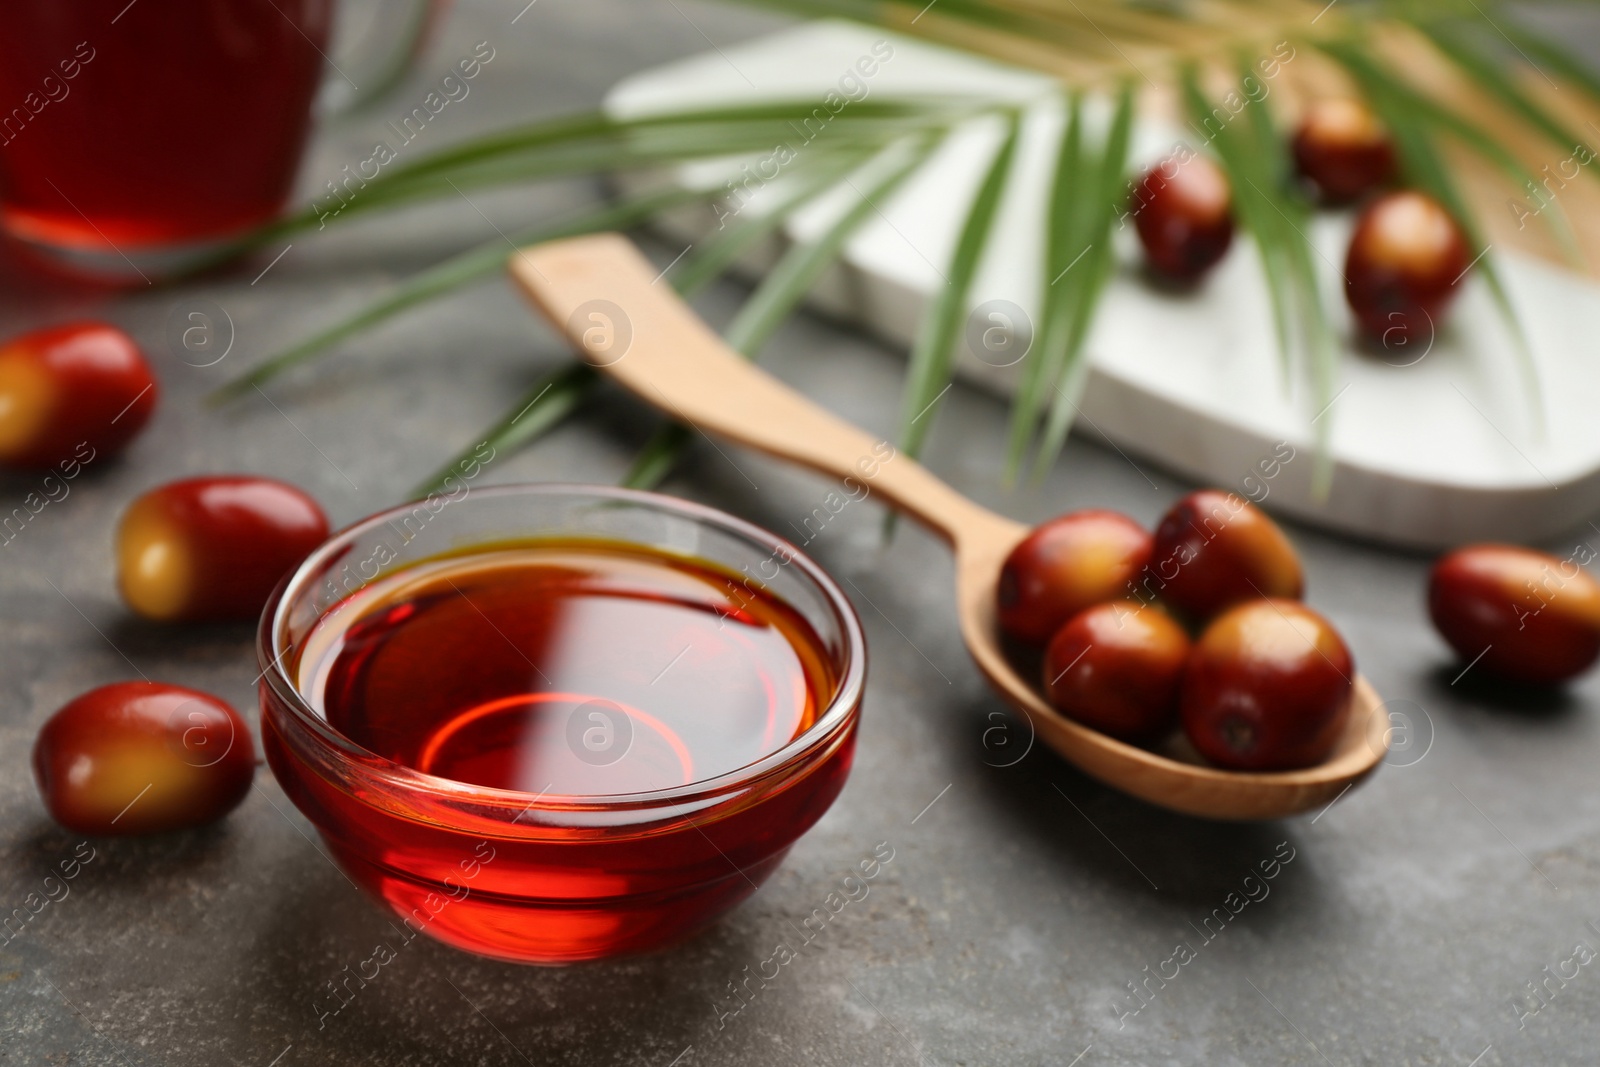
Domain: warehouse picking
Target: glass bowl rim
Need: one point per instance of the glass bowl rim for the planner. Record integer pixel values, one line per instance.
(346, 755)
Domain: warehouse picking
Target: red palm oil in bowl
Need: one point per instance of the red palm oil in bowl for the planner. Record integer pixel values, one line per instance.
(554, 723)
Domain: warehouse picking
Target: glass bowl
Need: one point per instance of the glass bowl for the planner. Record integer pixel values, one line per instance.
(553, 879)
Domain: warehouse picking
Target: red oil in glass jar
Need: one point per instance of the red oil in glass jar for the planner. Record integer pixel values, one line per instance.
(134, 126)
(563, 749)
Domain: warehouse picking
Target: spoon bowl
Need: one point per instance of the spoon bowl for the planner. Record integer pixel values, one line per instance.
(602, 294)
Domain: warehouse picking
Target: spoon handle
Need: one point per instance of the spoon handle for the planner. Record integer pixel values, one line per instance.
(610, 302)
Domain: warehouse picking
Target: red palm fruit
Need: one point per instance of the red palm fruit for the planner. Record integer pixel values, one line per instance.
(1343, 150)
(142, 757)
(1065, 565)
(1516, 613)
(1406, 255)
(213, 547)
(1215, 549)
(1183, 210)
(1267, 687)
(1116, 667)
(85, 384)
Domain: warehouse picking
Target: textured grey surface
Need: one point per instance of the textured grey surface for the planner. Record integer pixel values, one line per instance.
(1018, 905)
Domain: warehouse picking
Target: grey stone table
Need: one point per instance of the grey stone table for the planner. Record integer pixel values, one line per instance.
(1023, 902)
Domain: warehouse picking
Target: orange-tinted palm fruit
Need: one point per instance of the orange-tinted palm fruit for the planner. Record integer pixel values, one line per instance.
(1215, 549)
(142, 757)
(1407, 256)
(1343, 150)
(1267, 687)
(1183, 211)
(1516, 613)
(1116, 667)
(79, 391)
(213, 548)
(1070, 563)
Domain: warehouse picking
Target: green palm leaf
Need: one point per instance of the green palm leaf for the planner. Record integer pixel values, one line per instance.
(751, 125)
(1489, 70)
(799, 270)
(1251, 179)
(1394, 99)
(1103, 206)
(1080, 44)
(554, 397)
(715, 256)
(482, 261)
(562, 392)
(1489, 73)
(1567, 66)
(1277, 216)
(593, 142)
(1062, 254)
(932, 355)
(782, 289)
(1412, 124)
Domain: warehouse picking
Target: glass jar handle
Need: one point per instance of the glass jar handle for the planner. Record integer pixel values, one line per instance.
(374, 47)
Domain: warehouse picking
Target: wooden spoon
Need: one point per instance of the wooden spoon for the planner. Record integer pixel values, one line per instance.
(611, 304)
